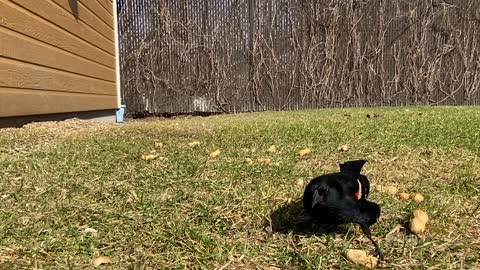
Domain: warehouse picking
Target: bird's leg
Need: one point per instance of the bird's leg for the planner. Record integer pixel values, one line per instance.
(367, 232)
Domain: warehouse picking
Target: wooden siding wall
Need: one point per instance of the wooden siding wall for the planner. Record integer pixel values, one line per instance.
(56, 56)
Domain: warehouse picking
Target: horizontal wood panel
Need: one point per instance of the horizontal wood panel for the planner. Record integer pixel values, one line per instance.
(17, 46)
(16, 74)
(17, 19)
(65, 20)
(108, 5)
(101, 12)
(86, 16)
(22, 102)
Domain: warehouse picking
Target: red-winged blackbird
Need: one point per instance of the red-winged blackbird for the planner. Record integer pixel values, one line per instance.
(340, 198)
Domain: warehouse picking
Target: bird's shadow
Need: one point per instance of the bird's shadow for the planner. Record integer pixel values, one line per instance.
(292, 218)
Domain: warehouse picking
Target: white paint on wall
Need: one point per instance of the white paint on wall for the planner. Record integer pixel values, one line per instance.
(117, 53)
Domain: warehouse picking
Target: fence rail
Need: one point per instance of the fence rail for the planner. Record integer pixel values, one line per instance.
(250, 55)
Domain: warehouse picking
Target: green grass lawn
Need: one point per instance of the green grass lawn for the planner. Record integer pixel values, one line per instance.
(187, 210)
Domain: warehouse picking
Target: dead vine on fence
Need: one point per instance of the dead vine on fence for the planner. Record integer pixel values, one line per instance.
(249, 55)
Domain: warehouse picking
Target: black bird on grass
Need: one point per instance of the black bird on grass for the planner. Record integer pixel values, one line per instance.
(340, 198)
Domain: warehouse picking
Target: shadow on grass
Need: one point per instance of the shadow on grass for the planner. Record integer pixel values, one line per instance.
(292, 218)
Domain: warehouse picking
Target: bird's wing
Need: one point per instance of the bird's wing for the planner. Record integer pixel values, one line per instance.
(354, 166)
(364, 185)
(361, 184)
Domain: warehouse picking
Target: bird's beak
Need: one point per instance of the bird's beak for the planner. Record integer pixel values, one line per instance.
(317, 198)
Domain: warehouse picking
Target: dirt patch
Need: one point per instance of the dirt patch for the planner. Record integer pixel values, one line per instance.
(37, 135)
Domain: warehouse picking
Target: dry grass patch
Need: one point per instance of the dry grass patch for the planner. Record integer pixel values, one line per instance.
(187, 210)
